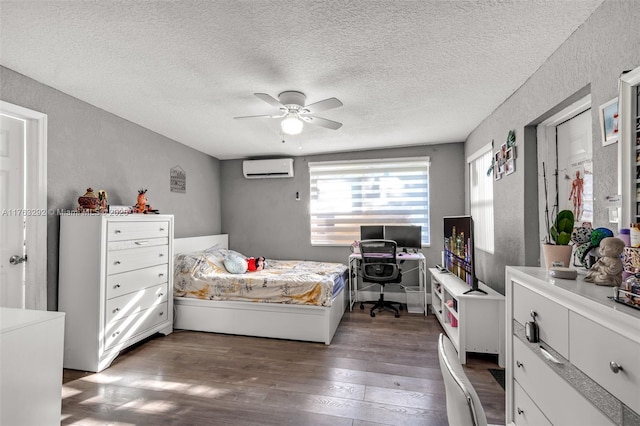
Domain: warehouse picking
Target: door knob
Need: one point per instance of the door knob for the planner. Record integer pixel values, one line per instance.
(16, 260)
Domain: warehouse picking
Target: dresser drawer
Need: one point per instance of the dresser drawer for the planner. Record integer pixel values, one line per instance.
(593, 347)
(552, 318)
(133, 325)
(131, 303)
(525, 411)
(123, 230)
(127, 260)
(139, 243)
(126, 282)
(560, 402)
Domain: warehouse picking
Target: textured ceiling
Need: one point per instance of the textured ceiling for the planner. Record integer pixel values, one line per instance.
(408, 72)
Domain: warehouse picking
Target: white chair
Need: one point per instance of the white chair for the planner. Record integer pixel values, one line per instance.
(463, 405)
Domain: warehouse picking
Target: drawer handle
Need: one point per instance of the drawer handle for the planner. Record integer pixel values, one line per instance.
(160, 294)
(161, 255)
(116, 310)
(161, 313)
(115, 334)
(548, 356)
(117, 262)
(116, 286)
(520, 411)
(161, 275)
(615, 367)
(117, 231)
(519, 364)
(161, 229)
(142, 243)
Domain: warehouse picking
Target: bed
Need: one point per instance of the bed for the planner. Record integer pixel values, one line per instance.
(293, 320)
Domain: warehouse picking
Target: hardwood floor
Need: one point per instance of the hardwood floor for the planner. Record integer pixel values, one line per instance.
(377, 371)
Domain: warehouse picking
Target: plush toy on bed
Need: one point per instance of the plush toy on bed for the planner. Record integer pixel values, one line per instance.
(255, 264)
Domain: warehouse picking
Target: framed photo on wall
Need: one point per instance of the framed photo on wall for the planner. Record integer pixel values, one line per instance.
(510, 166)
(609, 122)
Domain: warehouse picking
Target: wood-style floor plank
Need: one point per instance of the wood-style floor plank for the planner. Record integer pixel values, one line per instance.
(377, 371)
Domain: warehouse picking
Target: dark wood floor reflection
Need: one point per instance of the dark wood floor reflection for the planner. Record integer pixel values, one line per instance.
(377, 371)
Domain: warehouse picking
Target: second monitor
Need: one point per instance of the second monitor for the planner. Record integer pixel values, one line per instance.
(405, 236)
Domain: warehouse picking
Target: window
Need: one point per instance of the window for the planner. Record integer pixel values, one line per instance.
(481, 198)
(348, 194)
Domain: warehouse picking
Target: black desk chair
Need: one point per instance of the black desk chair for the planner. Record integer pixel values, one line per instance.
(379, 266)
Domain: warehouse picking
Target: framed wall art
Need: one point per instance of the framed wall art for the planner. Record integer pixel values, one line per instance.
(609, 122)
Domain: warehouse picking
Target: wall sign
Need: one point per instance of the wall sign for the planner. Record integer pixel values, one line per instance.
(178, 179)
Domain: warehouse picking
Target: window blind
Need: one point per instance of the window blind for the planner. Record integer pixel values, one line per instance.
(481, 200)
(348, 194)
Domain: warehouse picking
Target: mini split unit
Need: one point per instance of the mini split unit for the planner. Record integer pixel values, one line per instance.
(273, 168)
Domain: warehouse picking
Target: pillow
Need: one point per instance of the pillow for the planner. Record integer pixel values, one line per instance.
(235, 264)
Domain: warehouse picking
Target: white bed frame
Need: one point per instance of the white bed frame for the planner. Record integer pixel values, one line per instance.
(281, 321)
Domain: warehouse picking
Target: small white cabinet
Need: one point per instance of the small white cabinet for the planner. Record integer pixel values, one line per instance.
(473, 321)
(584, 369)
(31, 345)
(115, 284)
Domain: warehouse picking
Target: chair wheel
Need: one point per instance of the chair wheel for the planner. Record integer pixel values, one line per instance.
(362, 306)
(373, 314)
(397, 315)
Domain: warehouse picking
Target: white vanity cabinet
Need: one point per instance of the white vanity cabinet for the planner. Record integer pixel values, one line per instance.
(115, 284)
(585, 368)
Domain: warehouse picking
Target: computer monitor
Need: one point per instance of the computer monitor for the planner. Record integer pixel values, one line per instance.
(371, 232)
(405, 236)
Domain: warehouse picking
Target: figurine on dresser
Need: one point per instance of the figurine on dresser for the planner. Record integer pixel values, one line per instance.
(608, 269)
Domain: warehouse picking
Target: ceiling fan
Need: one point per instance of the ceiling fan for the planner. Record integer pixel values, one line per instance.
(294, 112)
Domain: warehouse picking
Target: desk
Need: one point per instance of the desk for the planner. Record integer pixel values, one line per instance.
(354, 263)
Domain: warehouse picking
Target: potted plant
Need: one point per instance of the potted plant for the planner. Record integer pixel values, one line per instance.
(562, 228)
(558, 252)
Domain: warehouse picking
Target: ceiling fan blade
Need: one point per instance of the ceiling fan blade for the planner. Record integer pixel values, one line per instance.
(323, 122)
(260, 116)
(322, 105)
(270, 100)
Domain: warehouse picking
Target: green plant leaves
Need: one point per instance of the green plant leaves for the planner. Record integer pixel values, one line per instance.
(562, 227)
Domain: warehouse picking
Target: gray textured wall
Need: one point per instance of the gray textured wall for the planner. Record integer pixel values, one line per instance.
(594, 56)
(88, 146)
(263, 218)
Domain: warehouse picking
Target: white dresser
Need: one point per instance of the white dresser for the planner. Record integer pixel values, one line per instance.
(585, 370)
(115, 284)
(30, 367)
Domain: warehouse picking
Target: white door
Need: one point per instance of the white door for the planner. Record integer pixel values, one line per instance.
(23, 208)
(12, 204)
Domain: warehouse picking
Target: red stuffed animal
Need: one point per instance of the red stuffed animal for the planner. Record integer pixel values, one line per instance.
(255, 264)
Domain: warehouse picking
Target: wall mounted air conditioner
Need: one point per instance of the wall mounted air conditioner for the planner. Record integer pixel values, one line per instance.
(273, 168)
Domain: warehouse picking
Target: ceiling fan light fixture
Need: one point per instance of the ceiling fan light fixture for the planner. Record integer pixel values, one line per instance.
(291, 125)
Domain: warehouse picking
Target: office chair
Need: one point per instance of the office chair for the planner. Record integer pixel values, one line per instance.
(379, 266)
(463, 404)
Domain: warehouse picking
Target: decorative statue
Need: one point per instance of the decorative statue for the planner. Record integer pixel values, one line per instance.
(608, 269)
(102, 197)
(141, 205)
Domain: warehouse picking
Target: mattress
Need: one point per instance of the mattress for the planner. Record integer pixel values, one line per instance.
(202, 275)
